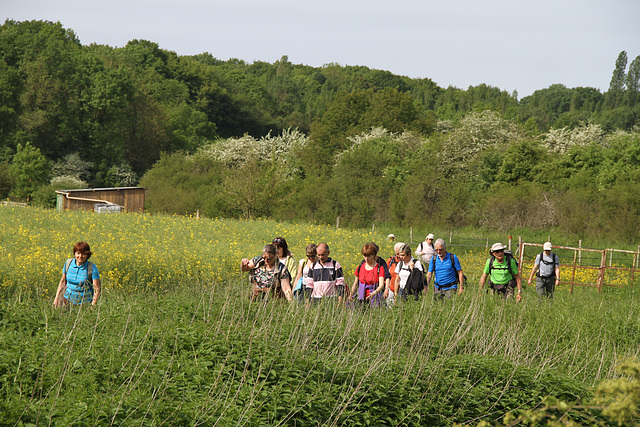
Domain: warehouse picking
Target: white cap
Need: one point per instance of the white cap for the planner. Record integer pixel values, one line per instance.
(497, 247)
(391, 236)
(429, 236)
(547, 246)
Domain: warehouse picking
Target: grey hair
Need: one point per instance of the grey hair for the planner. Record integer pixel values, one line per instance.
(405, 249)
(441, 243)
(397, 246)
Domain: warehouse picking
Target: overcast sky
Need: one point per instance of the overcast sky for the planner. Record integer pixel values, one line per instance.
(521, 45)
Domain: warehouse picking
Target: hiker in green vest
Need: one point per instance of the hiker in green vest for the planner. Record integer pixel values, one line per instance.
(502, 271)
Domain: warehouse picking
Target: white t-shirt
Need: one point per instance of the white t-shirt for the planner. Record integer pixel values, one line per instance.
(403, 271)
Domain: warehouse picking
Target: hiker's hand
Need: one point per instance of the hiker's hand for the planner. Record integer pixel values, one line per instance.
(460, 291)
(519, 296)
(529, 281)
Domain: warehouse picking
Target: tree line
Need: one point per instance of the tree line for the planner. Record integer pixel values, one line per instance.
(317, 142)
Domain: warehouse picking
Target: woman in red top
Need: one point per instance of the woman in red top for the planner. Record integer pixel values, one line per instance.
(369, 282)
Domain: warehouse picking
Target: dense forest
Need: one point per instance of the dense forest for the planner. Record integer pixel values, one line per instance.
(237, 139)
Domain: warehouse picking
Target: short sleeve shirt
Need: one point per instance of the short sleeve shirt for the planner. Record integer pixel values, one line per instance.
(403, 271)
(265, 278)
(547, 267)
(445, 274)
(370, 277)
(500, 273)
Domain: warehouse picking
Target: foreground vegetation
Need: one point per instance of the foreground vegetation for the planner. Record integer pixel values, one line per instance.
(175, 340)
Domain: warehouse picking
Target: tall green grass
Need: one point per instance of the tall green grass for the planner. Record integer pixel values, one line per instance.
(206, 356)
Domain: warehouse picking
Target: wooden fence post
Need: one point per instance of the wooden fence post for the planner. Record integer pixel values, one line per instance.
(410, 234)
(337, 223)
(580, 252)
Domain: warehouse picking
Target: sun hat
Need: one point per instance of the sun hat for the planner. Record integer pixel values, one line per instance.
(429, 236)
(498, 247)
(547, 246)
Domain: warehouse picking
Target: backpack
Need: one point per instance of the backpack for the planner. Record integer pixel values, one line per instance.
(507, 258)
(553, 258)
(453, 265)
(415, 281)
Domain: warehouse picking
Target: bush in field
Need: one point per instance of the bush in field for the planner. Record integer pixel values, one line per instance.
(478, 132)
(561, 140)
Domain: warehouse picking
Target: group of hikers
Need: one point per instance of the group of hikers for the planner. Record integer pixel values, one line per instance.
(380, 282)
(377, 282)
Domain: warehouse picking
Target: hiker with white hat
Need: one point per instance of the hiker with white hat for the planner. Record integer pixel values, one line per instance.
(502, 270)
(547, 269)
(425, 249)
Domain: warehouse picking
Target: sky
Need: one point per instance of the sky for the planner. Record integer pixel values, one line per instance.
(515, 45)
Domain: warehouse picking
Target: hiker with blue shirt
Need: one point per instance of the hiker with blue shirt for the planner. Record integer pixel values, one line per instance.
(80, 282)
(447, 272)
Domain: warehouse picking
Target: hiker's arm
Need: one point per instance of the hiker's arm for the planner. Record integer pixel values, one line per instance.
(97, 290)
(428, 277)
(62, 286)
(557, 273)
(286, 287)
(246, 264)
(533, 272)
(483, 279)
(460, 281)
(354, 288)
(379, 289)
(298, 274)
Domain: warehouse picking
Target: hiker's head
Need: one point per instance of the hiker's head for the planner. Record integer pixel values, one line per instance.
(440, 247)
(397, 247)
(82, 248)
(405, 251)
(547, 247)
(370, 250)
(429, 238)
(282, 249)
(311, 251)
(269, 253)
(323, 252)
(497, 250)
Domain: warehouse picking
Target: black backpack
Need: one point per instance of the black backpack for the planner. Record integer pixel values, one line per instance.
(415, 282)
(507, 258)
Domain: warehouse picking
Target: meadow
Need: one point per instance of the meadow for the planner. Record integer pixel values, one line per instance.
(175, 341)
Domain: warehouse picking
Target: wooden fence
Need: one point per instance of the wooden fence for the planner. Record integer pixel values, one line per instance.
(577, 264)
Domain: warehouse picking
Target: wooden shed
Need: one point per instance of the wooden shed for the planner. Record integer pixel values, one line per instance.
(119, 199)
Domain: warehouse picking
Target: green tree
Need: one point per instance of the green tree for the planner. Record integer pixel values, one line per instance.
(633, 82)
(29, 169)
(617, 85)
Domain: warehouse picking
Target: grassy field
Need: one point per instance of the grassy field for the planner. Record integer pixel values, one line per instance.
(175, 341)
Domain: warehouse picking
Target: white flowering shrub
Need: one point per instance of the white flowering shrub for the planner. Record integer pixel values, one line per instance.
(405, 139)
(68, 181)
(235, 152)
(477, 132)
(561, 140)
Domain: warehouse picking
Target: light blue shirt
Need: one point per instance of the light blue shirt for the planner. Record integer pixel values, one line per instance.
(79, 290)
